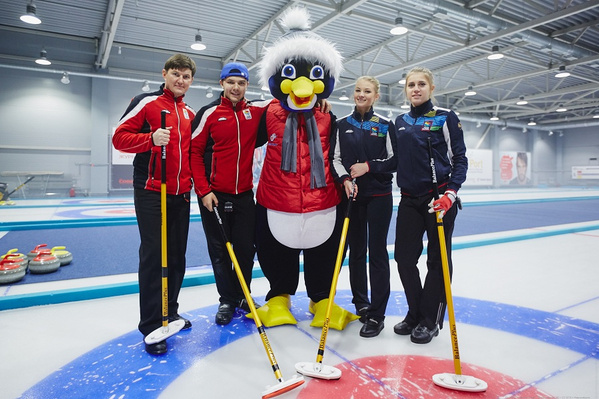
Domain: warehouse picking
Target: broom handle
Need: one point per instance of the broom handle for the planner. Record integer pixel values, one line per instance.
(445, 264)
(163, 231)
(246, 292)
(340, 252)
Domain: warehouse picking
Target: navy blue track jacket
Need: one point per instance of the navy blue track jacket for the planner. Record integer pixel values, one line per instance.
(414, 175)
(365, 140)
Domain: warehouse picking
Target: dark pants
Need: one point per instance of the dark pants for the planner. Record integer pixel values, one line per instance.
(426, 301)
(239, 223)
(149, 221)
(281, 264)
(368, 227)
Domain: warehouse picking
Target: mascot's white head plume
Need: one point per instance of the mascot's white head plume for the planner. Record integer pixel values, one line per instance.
(299, 42)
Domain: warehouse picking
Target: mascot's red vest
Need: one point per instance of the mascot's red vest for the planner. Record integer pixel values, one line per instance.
(290, 192)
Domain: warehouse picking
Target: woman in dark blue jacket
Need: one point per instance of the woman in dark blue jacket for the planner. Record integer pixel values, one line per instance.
(362, 151)
(417, 207)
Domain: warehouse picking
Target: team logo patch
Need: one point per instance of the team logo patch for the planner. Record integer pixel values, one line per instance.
(426, 126)
(247, 114)
(185, 113)
(374, 131)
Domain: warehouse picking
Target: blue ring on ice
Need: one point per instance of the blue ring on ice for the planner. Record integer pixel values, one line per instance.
(118, 368)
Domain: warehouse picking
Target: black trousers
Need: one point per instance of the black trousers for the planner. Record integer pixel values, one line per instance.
(426, 300)
(368, 228)
(281, 264)
(239, 220)
(149, 221)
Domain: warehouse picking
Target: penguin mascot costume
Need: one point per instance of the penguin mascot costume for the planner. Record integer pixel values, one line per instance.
(298, 212)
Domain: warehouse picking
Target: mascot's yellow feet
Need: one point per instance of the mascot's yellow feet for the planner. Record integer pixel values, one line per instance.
(275, 312)
(340, 317)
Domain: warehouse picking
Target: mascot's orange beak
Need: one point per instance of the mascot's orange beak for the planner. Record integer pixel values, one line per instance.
(302, 92)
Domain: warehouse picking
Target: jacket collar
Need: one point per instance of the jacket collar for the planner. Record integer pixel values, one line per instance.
(228, 103)
(367, 115)
(169, 94)
(421, 109)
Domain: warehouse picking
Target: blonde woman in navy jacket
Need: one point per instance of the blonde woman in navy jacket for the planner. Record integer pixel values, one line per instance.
(362, 151)
(417, 207)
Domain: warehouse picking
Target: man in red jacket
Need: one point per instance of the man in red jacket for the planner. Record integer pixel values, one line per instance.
(139, 131)
(224, 136)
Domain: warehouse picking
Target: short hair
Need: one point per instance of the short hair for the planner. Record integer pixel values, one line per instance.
(427, 74)
(180, 61)
(523, 157)
(373, 80)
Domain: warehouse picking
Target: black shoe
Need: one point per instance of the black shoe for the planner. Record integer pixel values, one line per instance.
(224, 314)
(363, 313)
(371, 328)
(403, 328)
(243, 305)
(424, 335)
(176, 316)
(159, 348)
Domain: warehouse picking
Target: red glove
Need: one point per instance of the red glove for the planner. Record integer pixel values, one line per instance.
(443, 204)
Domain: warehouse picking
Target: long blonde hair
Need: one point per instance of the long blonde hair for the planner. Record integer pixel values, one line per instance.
(428, 75)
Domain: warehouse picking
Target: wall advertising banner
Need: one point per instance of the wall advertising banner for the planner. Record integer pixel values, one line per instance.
(585, 172)
(121, 168)
(480, 168)
(514, 168)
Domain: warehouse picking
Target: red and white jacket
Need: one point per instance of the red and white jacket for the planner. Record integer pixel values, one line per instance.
(222, 146)
(290, 192)
(134, 135)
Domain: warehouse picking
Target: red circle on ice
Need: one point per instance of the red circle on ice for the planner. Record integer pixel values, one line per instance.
(406, 376)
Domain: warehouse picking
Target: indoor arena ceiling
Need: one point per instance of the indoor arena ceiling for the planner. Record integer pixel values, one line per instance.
(130, 39)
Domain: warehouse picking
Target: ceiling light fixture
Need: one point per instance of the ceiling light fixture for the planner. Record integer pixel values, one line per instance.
(495, 54)
(596, 115)
(65, 79)
(344, 96)
(30, 15)
(494, 118)
(524, 130)
(521, 101)
(470, 91)
(398, 28)
(405, 105)
(197, 44)
(561, 72)
(550, 133)
(402, 81)
(532, 122)
(209, 93)
(146, 86)
(561, 108)
(478, 124)
(43, 60)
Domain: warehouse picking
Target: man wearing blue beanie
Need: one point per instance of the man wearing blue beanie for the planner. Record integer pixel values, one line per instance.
(224, 136)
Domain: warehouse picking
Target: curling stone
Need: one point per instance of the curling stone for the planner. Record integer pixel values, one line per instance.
(36, 251)
(64, 256)
(11, 269)
(44, 262)
(16, 256)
